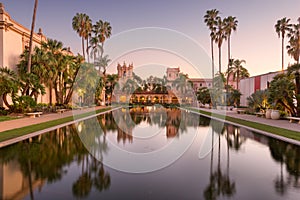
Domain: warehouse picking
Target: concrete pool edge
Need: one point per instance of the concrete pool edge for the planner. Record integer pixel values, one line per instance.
(36, 133)
(273, 135)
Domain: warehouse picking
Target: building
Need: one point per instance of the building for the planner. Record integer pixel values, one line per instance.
(201, 82)
(14, 39)
(252, 84)
(124, 71)
(172, 73)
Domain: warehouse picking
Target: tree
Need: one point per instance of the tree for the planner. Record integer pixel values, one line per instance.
(258, 101)
(81, 23)
(210, 20)
(87, 34)
(220, 36)
(237, 70)
(294, 73)
(102, 30)
(95, 48)
(31, 36)
(293, 49)
(203, 95)
(111, 82)
(8, 84)
(230, 25)
(282, 93)
(281, 27)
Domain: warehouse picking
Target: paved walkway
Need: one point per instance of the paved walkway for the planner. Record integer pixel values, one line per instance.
(27, 121)
(276, 123)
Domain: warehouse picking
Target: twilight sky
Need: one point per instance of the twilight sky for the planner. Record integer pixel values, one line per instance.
(255, 40)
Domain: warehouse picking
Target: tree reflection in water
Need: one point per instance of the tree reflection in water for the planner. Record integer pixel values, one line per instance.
(219, 183)
(287, 155)
(48, 156)
(45, 158)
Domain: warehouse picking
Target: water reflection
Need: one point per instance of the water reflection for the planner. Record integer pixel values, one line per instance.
(42, 160)
(29, 168)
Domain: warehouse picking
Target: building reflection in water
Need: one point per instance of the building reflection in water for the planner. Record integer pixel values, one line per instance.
(31, 165)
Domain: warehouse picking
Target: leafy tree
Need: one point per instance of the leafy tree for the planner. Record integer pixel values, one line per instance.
(258, 101)
(8, 84)
(203, 95)
(294, 73)
(282, 93)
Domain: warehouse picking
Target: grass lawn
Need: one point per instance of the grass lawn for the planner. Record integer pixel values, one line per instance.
(9, 134)
(263, 127)
(5, 118)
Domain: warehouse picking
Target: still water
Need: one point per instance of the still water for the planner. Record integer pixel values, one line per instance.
(150, 153)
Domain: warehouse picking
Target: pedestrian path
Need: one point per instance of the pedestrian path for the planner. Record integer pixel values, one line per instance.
(285, 124)
(27, 121)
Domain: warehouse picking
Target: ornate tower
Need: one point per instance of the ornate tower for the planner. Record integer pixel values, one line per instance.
(172, 73)
(125, 71)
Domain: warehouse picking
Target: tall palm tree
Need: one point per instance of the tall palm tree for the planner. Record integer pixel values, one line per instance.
(230, 25)
(80, 24)
(102, 29)
(293, 48)
(210, 20)
(281, 27)
(88, 32)
(95, 48)
(103, 62)
(220, 36)
(31, 35)
(237, 70)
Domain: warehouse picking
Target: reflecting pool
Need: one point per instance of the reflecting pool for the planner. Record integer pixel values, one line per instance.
(81, 161)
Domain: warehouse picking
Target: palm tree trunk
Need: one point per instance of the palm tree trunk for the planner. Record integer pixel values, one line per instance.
(212, 58)
(4, 97)
(31, 36)
(82, 43)
(282, 53)
(237, 79)
(87, 49)
(220, 59)
(50, 94)
(228, 62)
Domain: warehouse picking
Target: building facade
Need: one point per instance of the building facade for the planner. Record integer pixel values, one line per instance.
(252, 84)
(14, 39)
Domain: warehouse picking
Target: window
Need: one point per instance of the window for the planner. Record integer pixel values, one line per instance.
(200, 84)
(169, 74)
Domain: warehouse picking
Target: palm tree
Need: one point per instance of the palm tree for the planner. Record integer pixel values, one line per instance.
(81, 24)
(102, 29)
(237, 70)
(87, 33)
(112, 80)
(95, 48)
(210, 20)
(220, 36)
(8, 84)
(281, 27)
(230, 25)
(31, 36)
(294, 41)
